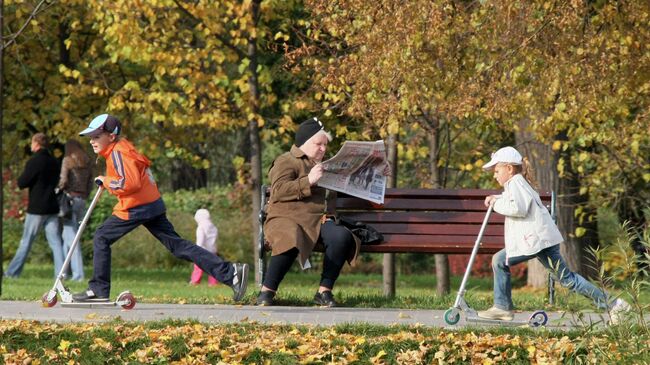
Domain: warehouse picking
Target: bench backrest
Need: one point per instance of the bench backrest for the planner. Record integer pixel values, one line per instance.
(429, 220)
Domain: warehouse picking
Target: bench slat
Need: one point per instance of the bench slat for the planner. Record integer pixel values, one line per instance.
(446, 229)
(455, 194)
(422, 217)
(412, 248)
(432, 239)
(412, 204)
(478, 194)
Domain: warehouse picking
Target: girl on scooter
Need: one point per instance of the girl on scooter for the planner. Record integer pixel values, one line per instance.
(531, 233)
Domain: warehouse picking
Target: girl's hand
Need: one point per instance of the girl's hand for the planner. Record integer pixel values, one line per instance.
(489, 200)
(315, 174)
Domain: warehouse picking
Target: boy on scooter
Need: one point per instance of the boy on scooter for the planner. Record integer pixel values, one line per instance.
(128, 177)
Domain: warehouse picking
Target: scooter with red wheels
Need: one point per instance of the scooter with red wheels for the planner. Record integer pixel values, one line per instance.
(452, 315)
(125, 299)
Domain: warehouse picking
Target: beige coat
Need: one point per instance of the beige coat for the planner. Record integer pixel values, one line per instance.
(295, 209)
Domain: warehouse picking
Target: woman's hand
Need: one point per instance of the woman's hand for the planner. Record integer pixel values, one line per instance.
(489, 200)
(315, 174)
(387, 170)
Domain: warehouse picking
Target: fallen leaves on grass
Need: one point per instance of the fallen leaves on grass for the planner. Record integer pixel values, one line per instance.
(193, 343)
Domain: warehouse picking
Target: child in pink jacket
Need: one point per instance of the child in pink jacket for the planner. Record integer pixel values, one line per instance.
(206, 237)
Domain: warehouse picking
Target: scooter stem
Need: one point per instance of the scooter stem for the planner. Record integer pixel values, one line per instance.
(477, 243)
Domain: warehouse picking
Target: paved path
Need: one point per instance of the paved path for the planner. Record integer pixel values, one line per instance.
(269, 315)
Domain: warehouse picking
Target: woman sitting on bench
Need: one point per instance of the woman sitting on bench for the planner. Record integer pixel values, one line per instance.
(298, 217)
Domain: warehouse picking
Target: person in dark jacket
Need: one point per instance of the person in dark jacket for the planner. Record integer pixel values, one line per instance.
(40, 176)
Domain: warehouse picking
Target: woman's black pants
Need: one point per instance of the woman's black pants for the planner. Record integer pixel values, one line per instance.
(338, 243)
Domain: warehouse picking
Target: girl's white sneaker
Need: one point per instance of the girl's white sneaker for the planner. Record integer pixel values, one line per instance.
(618, 311)
(496, 314)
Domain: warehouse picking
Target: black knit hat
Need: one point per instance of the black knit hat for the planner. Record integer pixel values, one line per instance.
(307, 129)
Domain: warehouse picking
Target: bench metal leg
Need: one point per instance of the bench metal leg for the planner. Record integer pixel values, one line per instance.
(551, 289)
(261, 254)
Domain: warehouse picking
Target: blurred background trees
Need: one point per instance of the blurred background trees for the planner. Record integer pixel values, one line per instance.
(213, 90)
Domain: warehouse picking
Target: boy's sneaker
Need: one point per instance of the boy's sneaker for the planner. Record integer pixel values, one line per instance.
(325, 299)
(496, 314)
(88, 296)
(265, 298)
(618, 311)
(239, 281)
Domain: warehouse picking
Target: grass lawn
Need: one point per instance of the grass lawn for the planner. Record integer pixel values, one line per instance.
(297, 289)
(191, 342)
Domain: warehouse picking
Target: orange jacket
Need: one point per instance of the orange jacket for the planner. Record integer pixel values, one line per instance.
(129, 178)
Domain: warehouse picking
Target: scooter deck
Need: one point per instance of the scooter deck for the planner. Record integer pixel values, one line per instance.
(125, 300)
(90, 304)
(513, 323)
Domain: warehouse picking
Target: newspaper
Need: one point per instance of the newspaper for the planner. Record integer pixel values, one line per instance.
(357, 170)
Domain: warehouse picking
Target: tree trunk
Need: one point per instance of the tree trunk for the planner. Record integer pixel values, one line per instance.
(254, 136)
(441, 260)
(184, 176)
(2, 91)
(388, 267)
(575, 250)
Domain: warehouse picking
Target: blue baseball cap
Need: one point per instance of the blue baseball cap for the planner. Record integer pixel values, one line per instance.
(102, 123)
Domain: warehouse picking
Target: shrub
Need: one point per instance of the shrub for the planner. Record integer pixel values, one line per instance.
(14, 199)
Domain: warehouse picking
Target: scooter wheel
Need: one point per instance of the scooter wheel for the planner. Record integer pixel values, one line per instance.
(452, 316)
(127, 300)
(48, 303)
(538, 318)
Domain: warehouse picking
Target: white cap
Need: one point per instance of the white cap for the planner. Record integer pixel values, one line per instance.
(504, 155)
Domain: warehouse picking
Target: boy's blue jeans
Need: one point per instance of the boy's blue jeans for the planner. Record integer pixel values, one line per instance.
(70, 228)
(114, 228)
(552, 261)
(33, 224)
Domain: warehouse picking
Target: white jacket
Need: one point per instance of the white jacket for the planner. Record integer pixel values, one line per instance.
(206, 232)
(529, 227)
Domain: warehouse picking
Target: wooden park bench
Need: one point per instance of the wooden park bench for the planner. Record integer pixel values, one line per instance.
(427, 221)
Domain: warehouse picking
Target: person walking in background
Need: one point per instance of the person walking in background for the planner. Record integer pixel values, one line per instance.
(76, 180)
(40, 176)
(531, 233)
(139, 203)
(206, 237)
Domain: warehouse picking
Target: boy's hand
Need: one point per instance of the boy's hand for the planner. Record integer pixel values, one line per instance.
(489, 200)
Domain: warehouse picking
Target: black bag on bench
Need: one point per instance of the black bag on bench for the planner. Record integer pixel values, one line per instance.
(367, 234)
